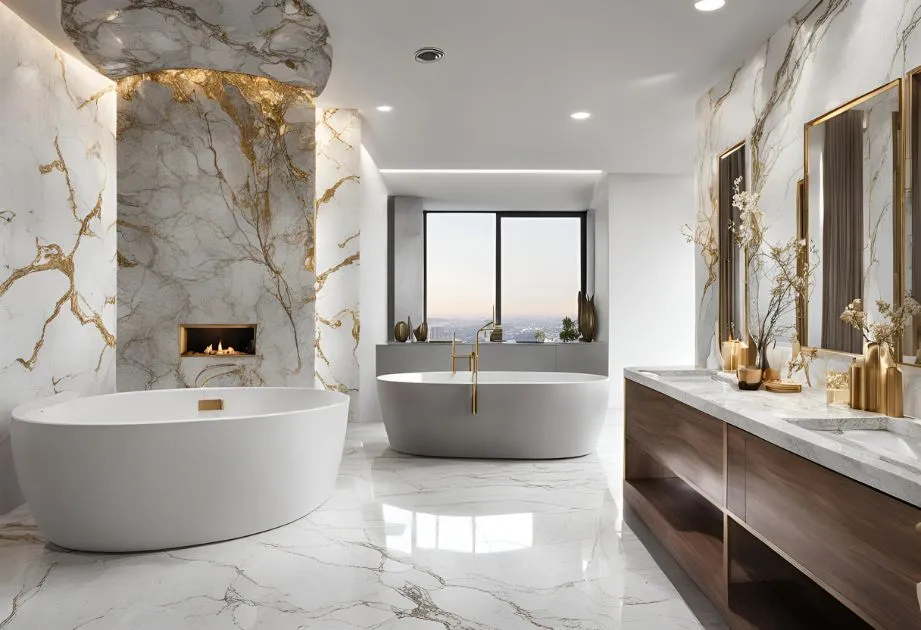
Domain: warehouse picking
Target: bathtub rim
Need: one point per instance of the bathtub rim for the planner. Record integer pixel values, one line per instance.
(25, 413)
(551, 378)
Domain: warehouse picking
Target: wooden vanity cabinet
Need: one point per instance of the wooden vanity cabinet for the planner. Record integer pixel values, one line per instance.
(773, 539)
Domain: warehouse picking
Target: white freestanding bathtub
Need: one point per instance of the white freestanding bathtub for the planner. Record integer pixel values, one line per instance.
(148, 470)
(521, 415)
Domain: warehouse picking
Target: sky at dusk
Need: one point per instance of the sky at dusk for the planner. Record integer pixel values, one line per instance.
(541, 266)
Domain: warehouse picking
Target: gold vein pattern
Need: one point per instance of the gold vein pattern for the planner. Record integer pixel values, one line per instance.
(216, 199)
(57, 232)
(336, 254)
(769, 98)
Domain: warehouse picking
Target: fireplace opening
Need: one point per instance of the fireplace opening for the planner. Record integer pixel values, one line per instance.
(233, 340)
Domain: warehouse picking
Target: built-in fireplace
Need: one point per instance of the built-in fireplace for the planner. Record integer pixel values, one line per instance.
(217, 340)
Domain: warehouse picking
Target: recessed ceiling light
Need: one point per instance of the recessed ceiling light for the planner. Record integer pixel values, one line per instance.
(709, 5)
(580, 116)
(384, 108)
(429, 54)
(485, 171)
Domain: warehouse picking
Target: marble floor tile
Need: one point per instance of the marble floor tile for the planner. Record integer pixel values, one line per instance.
(405, 542)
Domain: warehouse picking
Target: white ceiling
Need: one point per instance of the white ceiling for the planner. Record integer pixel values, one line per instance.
(514, 71)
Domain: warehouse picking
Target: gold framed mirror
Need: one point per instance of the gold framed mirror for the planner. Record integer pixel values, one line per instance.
(851, 210)
(733, 284)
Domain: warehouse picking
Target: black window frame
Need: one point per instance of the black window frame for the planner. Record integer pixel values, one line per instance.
(582, 215)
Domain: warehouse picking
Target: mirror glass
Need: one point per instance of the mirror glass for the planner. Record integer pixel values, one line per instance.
(852, 204)
(733, 319)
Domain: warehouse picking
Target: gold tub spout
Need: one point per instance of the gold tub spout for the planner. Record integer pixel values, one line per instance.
(473, 359)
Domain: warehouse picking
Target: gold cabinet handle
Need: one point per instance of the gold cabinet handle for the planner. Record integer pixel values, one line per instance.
(918, 529)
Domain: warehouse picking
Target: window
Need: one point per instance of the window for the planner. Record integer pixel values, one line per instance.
(531, 266)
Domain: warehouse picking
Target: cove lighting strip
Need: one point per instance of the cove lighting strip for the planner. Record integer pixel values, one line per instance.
(478, 171)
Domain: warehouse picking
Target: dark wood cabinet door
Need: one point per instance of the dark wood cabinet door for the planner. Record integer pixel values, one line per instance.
(854, 539)
(686, 441)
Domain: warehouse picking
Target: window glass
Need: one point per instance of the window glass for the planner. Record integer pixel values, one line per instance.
(460, 272)
(541, 275)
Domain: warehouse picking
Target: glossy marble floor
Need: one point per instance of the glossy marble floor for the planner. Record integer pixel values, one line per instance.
(404, 543)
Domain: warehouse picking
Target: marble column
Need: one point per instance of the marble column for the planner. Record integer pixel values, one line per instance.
(215, 219)
(337, 252)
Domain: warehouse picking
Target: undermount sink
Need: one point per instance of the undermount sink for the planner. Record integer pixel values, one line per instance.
(679, 375)
(894, 443)
(896, 440)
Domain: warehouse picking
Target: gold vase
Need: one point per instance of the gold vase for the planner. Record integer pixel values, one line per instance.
(401, 332)
(870, 384)
(422, 332)
(895, 398)
(886, 361)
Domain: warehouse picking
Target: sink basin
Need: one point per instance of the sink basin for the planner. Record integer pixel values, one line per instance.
(679, 375)
(894, 439)
(898, 445)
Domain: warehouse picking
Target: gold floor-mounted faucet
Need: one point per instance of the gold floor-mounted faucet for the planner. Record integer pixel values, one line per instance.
(473, 359)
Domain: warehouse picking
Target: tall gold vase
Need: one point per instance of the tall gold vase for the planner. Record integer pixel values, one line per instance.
(871, 383)
(890, 398)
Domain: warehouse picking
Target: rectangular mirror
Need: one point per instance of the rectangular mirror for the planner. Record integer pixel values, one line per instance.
(732, 282)
(852, 204)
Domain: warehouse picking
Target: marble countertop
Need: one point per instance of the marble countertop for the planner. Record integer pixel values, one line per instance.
(766, 416)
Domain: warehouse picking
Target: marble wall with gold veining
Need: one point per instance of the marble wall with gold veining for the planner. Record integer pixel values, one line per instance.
(829, 53)
(337, 254)
(57, 228)
(215, 222)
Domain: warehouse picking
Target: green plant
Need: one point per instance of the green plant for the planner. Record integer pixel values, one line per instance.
(569, 332)
(540, 335)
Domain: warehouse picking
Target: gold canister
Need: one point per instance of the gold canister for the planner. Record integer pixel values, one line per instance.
(886, 361)
(856, 378)
(894, 396)
(871, 377)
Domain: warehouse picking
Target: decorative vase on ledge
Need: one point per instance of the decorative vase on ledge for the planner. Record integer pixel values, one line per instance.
(401, 332)
(587, 317)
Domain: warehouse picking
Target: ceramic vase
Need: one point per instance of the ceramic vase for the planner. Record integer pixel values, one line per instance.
(401, 332)
(422, 332)
(587, 317)
(886, 361)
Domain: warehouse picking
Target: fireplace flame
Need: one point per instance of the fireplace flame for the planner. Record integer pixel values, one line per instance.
(220, 350)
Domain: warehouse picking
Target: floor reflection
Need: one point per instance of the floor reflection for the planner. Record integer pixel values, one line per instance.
(465, 534)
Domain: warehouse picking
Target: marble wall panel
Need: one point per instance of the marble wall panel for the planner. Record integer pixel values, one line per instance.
(215, 218)
(57, 228)
(829, 53)
(338, 252)
(281, 39)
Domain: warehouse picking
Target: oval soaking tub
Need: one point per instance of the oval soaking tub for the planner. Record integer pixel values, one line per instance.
(148, 470)
(520, 415)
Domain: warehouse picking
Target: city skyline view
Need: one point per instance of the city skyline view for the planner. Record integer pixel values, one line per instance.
(541, 266)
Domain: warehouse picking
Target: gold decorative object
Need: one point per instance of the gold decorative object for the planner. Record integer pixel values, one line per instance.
(734, 354)
(587, 317)
(496, 335)
(856, 380)
(886, 361)
(421, 332)
(779, 387)
(895, 402)
(401, 332)
(837, 387)
(871, 377)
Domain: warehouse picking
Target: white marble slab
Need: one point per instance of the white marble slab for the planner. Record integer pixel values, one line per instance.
(404, 543)
(765, 415)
